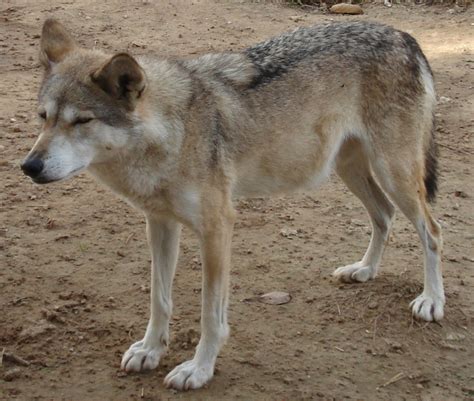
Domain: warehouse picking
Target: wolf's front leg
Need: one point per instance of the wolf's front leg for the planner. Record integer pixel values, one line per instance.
(215, 254)
(163, 237)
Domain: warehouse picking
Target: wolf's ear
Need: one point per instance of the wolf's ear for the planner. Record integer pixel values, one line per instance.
(122, 78)
(56, 43)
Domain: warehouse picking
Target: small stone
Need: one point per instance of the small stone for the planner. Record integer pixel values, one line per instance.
(358, 223)
(296, 18)
(12, 374)
(39, 327)
(455, 337)
(444, 99)
(275, 298)
(49, 315)
(373, 305)
(460, 194)
(394, 345)
(288, 232)
(345, 8)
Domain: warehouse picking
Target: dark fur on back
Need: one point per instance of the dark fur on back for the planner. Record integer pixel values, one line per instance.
(360, 41)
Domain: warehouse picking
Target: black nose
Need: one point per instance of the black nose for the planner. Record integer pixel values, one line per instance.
(33, 167)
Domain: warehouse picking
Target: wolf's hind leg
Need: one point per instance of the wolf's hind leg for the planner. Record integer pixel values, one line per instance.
(409, 192)
(353, 168)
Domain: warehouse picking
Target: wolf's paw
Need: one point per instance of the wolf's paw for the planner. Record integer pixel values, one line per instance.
(357, 272)
(428, 308)
(139, 357)
(189, 375)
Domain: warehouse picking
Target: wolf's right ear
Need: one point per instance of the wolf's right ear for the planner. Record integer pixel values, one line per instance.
(56, 43)
(122, 78)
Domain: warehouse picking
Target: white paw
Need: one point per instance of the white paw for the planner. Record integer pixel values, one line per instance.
(356, 272)
(189, 375)
(428, 308)
(140, 357)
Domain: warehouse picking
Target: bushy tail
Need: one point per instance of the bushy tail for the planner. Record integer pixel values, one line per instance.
(431, 168)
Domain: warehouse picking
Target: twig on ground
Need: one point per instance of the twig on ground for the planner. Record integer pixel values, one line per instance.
(456, 150)
(129, 238)
(394, 379)
(375, 331)
(8, 357)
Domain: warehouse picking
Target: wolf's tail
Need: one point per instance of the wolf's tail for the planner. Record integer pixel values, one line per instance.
(431, 167)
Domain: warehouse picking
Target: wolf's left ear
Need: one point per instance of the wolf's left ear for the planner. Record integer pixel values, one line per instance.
(122, 78)
(56, 43)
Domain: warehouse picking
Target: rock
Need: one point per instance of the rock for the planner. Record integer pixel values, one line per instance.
(461, 194)
(345, 8)
(358, 223)
(51, 316)
(444, 99)
(373, 305)
(296, 18)
(275, 298)
(288, 232)
(455, 337)
(12, 374)
(394, 345)
(40, 327)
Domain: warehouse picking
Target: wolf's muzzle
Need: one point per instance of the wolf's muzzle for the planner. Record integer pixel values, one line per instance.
(32, 167)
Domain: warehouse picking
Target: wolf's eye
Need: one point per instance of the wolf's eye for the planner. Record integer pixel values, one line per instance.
(42, 115)
(82, 120)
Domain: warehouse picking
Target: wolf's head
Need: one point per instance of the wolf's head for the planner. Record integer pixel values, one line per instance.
(86, 102)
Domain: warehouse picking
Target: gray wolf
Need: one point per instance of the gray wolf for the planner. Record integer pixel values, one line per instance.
(180, 139)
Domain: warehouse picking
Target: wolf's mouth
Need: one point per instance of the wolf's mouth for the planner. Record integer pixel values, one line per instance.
(41, 179)
(44, 180)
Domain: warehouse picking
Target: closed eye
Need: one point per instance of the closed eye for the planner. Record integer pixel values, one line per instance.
(82, 120)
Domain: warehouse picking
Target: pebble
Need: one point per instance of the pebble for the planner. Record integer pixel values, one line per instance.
(394, 345)
(12, 374)
(373, 305)
(345, 8)
(288, 232)
(39, 327)
(444, 99)
(455, 337)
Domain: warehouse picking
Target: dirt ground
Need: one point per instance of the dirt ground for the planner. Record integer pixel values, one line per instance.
(74, 265)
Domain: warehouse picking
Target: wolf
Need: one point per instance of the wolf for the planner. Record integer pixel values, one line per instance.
(180, 139)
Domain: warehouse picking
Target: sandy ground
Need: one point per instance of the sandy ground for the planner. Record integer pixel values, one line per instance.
(74, 264)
